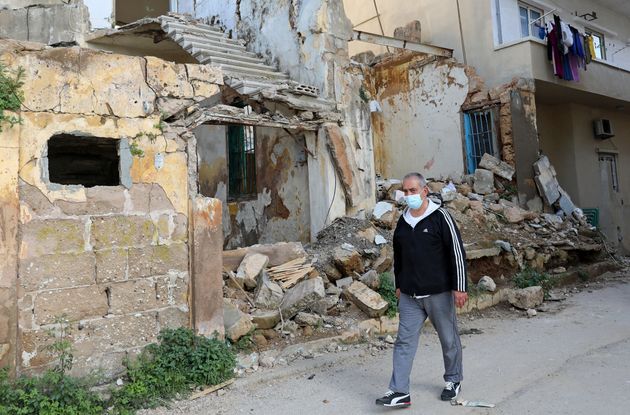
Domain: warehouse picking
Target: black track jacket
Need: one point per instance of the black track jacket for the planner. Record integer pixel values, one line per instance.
(430, 258)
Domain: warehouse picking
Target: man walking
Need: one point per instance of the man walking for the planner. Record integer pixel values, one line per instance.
(430, 272)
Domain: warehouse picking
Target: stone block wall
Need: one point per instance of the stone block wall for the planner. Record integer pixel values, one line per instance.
(113, 259)
(116, 267)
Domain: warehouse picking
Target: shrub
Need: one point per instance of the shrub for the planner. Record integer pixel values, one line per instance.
(387, 290)
(169, 369)
(530, 277)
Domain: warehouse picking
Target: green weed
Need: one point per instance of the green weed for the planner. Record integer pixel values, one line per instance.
(387, 290)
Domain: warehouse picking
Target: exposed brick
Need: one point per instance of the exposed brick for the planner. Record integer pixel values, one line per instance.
(111, 265)
(57, 271)
(100, 200)
(132, 296)
(121, 231)
(42, 237)
(75, 303)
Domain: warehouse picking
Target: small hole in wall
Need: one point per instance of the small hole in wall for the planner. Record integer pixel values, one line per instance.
(87, 161)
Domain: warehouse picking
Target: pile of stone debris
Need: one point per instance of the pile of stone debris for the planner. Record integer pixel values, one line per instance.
(330, 287)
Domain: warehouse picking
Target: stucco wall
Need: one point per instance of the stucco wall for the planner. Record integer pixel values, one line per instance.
(281, 209)
(420, 128)
(113, 259)
(566, 135)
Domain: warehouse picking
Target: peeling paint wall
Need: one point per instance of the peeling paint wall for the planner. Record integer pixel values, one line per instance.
(420, 128)
(281, 209)
(113, 259)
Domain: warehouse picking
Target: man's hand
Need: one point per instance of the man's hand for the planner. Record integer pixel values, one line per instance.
(460, 298)
(398, 293)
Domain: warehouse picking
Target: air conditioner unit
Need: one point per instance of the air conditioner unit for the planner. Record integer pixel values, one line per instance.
(603, 128)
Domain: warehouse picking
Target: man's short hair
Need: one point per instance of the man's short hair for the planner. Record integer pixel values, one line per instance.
(416, 175)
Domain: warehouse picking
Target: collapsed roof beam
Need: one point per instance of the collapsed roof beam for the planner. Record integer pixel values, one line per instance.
(401, 44)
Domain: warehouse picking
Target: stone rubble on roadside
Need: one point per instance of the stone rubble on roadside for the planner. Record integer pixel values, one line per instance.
(486, 283)
(526, 298)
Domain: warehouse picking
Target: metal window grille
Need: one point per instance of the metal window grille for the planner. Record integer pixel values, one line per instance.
(241, 161)
(481, 137)
(611, 164)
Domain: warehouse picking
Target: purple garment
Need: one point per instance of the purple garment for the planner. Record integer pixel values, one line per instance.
(574, 65)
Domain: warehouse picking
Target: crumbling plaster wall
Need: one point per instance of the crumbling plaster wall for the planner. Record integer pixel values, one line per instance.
(305, 38)
(308, 39)
(281, 209)
(420, 127)
(113, 259)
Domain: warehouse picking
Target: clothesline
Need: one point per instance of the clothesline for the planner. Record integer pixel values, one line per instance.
(568, 49)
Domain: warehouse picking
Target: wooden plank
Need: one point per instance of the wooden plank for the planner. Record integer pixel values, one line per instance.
(278, 254)
(211, 389)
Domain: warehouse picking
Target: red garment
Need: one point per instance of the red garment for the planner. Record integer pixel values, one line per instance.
(556, 53)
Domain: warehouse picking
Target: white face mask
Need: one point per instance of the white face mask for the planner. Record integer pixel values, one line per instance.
(413, 201)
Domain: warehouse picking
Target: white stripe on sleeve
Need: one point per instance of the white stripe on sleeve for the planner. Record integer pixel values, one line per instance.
(459, 258)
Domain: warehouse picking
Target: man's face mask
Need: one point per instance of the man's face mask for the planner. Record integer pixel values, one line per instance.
(414, 201)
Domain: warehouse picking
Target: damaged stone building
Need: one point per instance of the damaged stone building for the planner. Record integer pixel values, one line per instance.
(147, 143)
(154, 135)
(503, 87)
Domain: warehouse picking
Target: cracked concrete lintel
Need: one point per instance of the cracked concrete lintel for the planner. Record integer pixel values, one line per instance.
(228, 114)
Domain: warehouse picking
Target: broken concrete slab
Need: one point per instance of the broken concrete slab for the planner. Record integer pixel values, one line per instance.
(323, 306)
(348, 261)
(526, 298)
(382, 208)
(302, 296)
(484, 182)
(371, 279)
(344, 282)
(369, 301)
(268, 294)
(565, 202)
(496, 166)
(236, 323)
(480, 253)
(278, 253)
(249, 270)
(265, 319)
(551, 218)
(547, 186)
(308, 319)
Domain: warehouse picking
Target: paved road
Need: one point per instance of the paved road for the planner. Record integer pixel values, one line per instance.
(575, 360)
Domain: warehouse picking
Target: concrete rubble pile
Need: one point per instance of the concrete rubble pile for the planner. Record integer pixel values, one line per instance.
(331, 286)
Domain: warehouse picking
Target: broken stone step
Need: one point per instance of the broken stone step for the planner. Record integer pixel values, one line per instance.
(196, 49)
(199, 28)
(220, 39)
(241, 70)
(183, 39)
(173, 29)
(214, 60)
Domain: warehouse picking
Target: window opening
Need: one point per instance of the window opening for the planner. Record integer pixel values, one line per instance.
(241, 160)
(87, 161)
(531, 22)
(481, 136)
(598, 44)
(610, 161)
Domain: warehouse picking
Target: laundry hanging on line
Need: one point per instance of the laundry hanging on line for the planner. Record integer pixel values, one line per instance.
(568, 49)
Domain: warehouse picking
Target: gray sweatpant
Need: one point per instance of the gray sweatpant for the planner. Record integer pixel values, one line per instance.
(440, 308)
